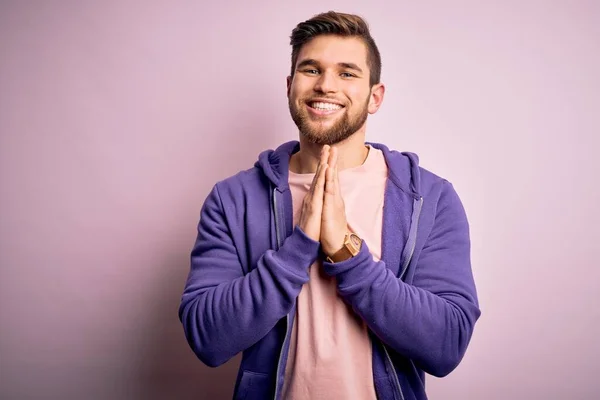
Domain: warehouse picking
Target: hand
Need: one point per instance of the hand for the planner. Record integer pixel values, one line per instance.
(312, 205)
(333, 221)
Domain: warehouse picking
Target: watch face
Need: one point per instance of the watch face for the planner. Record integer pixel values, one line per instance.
(355, 240)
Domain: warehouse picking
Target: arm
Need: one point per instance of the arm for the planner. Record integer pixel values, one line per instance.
(432, 320)
(224, 311)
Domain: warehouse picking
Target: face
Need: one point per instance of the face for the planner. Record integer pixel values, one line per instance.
(329, 94)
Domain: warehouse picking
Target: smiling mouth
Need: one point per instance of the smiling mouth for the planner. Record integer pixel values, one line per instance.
(323, 106)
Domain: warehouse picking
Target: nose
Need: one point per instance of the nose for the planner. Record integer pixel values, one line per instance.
(326, 83)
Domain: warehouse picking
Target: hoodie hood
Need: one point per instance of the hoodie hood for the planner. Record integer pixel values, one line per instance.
(403, 167)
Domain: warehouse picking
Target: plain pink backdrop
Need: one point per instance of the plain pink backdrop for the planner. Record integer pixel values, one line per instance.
(116, 118)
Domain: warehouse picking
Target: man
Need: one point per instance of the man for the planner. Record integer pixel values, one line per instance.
(341, 269)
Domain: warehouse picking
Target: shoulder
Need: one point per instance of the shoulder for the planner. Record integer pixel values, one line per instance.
(406, 171)
(432, 183)
(251, 182)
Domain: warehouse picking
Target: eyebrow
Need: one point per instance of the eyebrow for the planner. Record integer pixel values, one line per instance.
(315, 63)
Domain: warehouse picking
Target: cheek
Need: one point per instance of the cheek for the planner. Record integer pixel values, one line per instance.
(358, 92)
(293, 94)
(300, 84)
(297, 92)
(359, 97)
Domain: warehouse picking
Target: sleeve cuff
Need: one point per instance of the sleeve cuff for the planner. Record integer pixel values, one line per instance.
(333, 269)
(299, 251)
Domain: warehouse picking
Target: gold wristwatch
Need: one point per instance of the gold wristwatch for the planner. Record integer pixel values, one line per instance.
(351, 247)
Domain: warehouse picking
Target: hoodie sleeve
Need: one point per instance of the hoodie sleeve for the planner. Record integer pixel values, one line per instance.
(432, 320)
(223, 311)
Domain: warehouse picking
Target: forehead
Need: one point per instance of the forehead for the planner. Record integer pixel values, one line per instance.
(331, 49)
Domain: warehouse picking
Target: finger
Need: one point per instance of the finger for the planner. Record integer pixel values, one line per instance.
(325, 151)
(329, 183)
(322, 162)
(314, 181)
(333, 157)
(320, 184)
(336, 180)
(333, 163)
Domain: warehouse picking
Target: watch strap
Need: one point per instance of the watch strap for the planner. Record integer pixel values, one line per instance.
(350, 248)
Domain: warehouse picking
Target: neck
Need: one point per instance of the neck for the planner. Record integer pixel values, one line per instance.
(352, 152)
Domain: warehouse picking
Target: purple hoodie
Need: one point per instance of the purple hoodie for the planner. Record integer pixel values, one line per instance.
(249, 263)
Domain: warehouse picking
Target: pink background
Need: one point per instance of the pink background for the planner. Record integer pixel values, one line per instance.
(116, 119)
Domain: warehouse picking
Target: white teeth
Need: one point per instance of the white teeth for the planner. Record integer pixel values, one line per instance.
(325, 106)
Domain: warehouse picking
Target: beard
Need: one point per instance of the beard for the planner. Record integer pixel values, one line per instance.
(315, 131)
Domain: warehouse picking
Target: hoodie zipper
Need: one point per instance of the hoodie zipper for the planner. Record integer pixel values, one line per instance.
(393, 371)
(276, 214)
(412, 236)
(413, 242)
(287, 317)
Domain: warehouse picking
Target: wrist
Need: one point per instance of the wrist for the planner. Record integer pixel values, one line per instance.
(350, 248)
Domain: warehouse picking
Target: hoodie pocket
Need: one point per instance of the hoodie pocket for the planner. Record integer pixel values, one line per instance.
(253, 386)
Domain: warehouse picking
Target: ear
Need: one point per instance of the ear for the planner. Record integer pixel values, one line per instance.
(289, 85)
(376, 97)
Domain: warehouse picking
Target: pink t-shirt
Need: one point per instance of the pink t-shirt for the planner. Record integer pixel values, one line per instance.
(330, 350)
